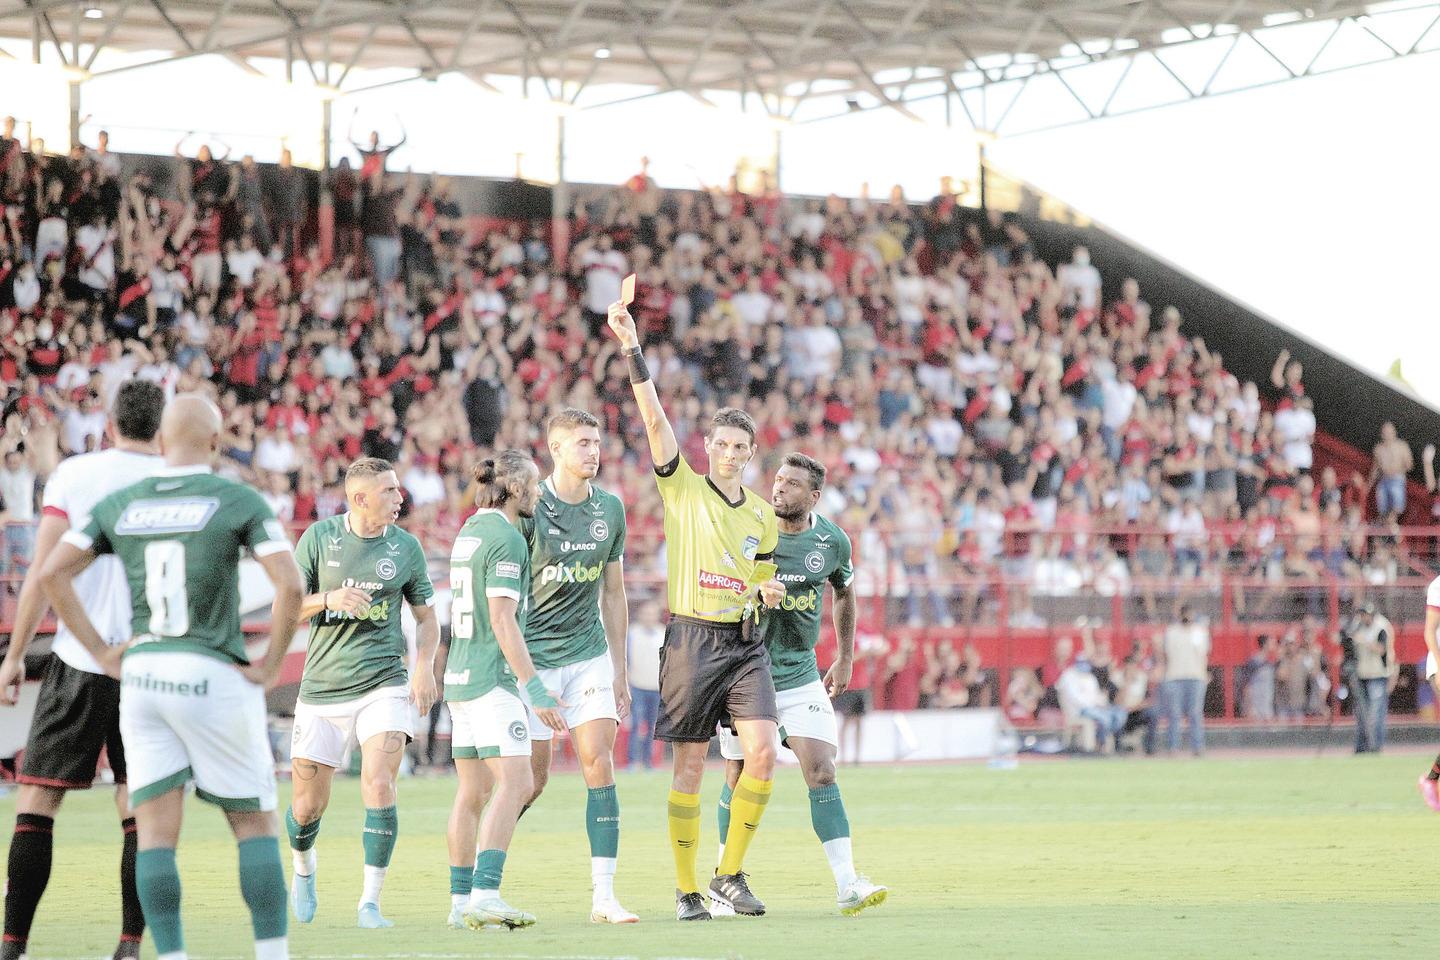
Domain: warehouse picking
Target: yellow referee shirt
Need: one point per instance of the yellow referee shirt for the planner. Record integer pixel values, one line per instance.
(712, 544)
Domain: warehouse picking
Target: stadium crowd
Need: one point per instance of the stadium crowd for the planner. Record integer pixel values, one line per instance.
(983, 413)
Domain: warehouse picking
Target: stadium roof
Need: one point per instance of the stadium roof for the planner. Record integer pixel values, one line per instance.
(855, 54)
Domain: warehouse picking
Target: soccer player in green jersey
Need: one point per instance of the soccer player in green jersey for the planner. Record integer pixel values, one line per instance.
(712, 668)
(811, 553)
(192, 704)
(358, 568)
(488, 663)
(576, 631)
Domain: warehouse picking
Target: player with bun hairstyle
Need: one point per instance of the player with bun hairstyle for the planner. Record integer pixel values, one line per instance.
(488, 663)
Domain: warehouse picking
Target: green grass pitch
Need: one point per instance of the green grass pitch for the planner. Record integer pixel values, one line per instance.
(1267, 858)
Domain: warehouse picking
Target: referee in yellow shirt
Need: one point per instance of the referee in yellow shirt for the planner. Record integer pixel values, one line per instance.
(712, 669)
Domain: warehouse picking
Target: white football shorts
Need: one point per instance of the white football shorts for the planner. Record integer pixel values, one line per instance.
(189, 716)
(804, 712)
(323, 730)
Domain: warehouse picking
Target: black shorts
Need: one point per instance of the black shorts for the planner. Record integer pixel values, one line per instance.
(711, 672)
(853, 703)
(76, 716)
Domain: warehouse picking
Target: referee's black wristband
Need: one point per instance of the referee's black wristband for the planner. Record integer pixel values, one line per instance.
(639, 373)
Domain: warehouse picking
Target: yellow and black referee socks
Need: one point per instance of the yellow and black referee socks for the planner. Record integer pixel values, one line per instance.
(685, 838)
(747, 805)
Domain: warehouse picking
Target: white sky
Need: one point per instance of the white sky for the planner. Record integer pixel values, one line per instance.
(1314, 201)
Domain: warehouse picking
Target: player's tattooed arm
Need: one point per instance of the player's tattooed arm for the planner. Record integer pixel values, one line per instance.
(837, 678)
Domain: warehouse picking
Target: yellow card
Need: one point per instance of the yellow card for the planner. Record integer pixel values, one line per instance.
(765, 571)
(627, 290)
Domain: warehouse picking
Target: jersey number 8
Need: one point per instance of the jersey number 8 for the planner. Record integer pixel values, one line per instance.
(165, 588)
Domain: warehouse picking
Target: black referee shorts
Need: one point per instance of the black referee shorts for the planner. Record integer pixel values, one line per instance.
(77, 714)
(711, 672)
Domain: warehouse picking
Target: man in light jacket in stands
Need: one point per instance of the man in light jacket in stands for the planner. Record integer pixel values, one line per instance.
(1376, 668)
(1185, 652)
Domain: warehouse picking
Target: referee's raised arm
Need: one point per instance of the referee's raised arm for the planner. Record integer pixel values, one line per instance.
(664, 448)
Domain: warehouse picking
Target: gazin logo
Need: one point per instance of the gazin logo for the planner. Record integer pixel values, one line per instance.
(600, 530)
(385, 568)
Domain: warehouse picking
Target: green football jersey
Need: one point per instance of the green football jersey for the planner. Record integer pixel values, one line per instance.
(806, 561)
(489, 559)
(350, 656)
(570, 544)
(180, 535)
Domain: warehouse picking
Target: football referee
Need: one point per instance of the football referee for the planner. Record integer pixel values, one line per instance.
(712, 669)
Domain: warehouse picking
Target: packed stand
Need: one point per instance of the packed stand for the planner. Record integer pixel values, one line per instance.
(984, 415)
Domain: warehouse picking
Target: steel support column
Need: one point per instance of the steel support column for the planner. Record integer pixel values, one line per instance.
(326, 117)
(560, 199)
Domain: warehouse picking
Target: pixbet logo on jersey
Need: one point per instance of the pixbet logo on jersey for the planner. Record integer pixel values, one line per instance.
(575, 573)
(375, 612)
(718, 581)
(803, 603)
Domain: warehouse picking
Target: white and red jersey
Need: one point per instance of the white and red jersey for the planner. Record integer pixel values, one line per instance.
(77, 484)
(603, 272)
(1432, 602)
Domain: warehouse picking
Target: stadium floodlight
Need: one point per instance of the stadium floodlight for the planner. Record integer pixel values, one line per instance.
(94, 13)
(602, 53)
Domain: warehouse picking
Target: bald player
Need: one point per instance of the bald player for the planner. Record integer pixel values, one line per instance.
(358, 569)
(192, 704)
(77, 712)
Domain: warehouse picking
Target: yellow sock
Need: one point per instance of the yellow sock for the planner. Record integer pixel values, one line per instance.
(746, 807)
(685, 837)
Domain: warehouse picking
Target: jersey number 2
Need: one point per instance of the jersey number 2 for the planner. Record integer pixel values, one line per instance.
(165, 588)
(462, 605)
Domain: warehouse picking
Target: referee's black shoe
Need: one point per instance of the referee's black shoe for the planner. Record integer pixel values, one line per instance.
(690, 906)
(732, 890)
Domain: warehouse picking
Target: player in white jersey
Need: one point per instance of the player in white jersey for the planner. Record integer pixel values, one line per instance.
(1430, 782)
(78, 711)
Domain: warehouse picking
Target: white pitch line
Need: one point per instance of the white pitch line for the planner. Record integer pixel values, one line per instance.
(462, 956)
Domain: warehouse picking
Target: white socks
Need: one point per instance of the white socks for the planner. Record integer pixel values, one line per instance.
(478, 896)
(304, 861)
(177, 955)
(720, 857)
(276, 948)
(459, 901)
(374, 880)
(602, 878)
(842, 863)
